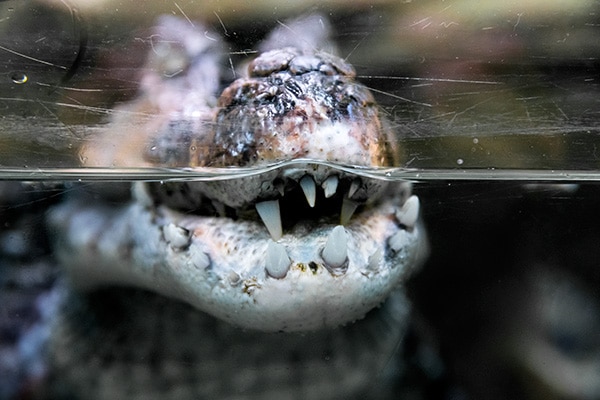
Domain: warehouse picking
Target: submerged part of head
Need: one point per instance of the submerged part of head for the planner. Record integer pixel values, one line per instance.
(317, 274)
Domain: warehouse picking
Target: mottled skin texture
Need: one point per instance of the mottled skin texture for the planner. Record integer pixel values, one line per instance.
(340, 250)
(277, 111)
(219, 265)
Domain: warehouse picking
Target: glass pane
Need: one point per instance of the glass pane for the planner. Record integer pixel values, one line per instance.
(472, 95)
(483, 88)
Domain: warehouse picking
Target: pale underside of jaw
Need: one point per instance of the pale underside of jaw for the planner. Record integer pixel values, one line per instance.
(314, 274)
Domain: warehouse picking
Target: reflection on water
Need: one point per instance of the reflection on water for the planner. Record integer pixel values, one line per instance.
(494, 86)
(214, 174)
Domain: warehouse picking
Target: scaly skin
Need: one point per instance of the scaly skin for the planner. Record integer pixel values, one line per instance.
(336, 244)
(202, 242)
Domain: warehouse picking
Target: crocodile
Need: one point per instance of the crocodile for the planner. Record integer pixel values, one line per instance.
(283, 275)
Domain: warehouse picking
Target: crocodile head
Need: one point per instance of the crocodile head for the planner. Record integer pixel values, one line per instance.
(299, 232)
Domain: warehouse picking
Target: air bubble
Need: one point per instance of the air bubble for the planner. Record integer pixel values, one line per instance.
(460, 161)
(19, 78)
(475, 141)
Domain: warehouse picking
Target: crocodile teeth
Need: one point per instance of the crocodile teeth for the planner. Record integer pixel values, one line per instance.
(409, 213)
(280, 186)
(330, 185)
(198, 258)
(335, 252)
(234, 278)
(307, 183)
(398, 241)
(177, 237)
(141, 195)
(354, 186)
(348, 208)
(277, 260)
(375, 260)
(271, 217)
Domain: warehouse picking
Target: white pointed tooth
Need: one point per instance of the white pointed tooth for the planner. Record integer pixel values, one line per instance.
(280, 186)
(198, 258)
(234, 278)
(141, 195)
(178, 237)
(269, 213)
(409, 213)
(348, 208)
(354, 186)
(277, 262)
(307, 183)
(335, 252)
(398, 241)
(375, 260)
(330, 185)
